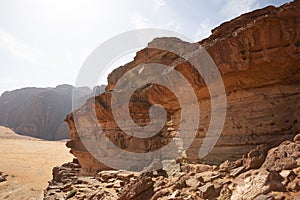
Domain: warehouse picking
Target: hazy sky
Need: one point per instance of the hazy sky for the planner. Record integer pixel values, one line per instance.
(44, 42)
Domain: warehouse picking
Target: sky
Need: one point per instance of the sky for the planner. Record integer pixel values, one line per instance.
(43, 43)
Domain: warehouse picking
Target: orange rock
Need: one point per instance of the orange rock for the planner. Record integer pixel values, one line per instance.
(258, 55)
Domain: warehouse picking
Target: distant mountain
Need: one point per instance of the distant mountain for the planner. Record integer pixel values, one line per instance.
(40, 112)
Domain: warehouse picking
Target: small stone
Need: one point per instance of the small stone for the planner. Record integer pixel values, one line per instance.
(171, 167)
(109, 185)
(285, 173)
(207, 191)
(106, 175)
(255, 158)
(237, 171)
(118, 184)
(174, 194)
(297, 171)
(142, 188)
(297, 138)
(125, 176)
(227, 165)
(193, 183)
(264, 197)
(3, 177)
(71, 194)
(294, 185)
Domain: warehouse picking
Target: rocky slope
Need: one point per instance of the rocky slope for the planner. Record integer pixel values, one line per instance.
(39, 112)
(258, 55)
(258, 175)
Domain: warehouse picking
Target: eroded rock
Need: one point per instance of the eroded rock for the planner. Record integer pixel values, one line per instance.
(284, 157)
(259, 62)
(258, 57)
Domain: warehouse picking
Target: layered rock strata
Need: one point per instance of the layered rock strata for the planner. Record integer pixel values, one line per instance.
(258, 56)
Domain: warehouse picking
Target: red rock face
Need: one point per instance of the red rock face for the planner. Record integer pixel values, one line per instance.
(258, 55)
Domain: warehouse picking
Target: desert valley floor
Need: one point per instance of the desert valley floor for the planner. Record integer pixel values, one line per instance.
(29, 163)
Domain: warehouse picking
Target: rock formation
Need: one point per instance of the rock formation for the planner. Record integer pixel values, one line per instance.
(276, 176)
(3, 177)
(39, 112)
(258, 56)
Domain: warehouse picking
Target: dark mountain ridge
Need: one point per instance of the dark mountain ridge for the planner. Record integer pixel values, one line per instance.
(40, 112)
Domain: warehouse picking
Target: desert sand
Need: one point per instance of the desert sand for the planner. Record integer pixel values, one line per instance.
(28, 162)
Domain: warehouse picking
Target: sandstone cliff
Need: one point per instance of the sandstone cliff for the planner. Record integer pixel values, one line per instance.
(39, 112)
(258, 55)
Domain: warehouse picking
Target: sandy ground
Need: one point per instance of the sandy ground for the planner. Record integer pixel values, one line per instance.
(29, 163)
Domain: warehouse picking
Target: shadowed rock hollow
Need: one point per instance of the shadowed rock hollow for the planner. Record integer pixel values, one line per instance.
(258, 56)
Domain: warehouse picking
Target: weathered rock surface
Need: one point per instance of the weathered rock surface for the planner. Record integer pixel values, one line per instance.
(192, 181)
(285, 157)
(258, 55)
(39, 112)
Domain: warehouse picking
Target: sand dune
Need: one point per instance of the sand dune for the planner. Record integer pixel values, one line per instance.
(28, 162)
